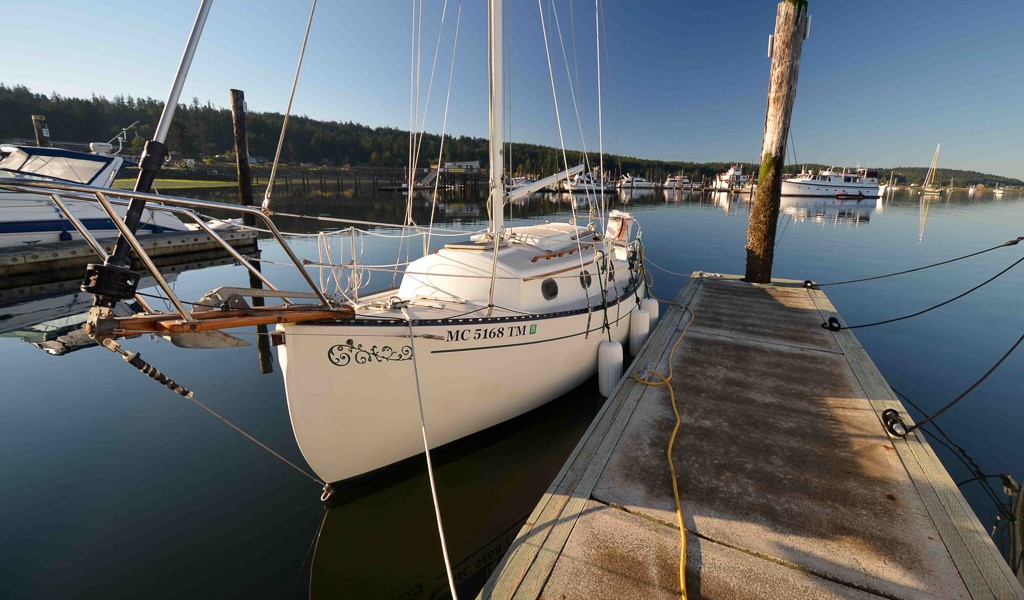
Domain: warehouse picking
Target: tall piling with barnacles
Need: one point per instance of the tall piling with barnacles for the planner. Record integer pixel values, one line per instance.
(791, 26)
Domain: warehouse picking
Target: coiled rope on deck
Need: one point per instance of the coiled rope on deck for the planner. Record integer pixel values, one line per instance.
(663, 380)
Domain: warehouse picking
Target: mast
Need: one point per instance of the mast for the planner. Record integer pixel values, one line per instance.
(497, 111)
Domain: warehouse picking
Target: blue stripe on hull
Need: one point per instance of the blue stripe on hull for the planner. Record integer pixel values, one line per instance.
(59, 225)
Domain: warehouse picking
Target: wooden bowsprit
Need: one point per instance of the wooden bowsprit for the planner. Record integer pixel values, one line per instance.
(204, 326)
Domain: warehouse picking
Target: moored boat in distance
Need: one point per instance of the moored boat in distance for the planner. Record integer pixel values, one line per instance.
(633, 182)
(27, 219)
(929, 187)
(732, 179)
(680, 182)
(585, 182)
(827, 183)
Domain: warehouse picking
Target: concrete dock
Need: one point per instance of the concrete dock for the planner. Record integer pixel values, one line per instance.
(41, 264)
(791, 487)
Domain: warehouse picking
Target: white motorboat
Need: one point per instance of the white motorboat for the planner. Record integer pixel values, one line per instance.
(514, 183)
(827, 183)
(584, 182)
(732, 179)
(480, 331)
(679, 182)
(633, 182)
(27, 219)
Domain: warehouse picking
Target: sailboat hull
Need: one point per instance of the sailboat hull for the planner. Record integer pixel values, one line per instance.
(352, 389)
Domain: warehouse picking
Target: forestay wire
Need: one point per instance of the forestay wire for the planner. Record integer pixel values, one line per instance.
(288, 110)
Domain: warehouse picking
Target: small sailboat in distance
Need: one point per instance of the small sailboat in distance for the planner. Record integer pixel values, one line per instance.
(929, 187)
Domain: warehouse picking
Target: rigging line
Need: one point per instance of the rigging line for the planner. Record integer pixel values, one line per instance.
(554, 95)
(575, 103)
(615, 123)
(252, 439)
(600, 124)
(287, 112)
(834, 325)
(444, 128)
(1012, 242)
(970, 389)
(426, 107)
(430, 465)
(307, 557)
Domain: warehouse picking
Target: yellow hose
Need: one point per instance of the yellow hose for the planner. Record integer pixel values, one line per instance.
(665, 381)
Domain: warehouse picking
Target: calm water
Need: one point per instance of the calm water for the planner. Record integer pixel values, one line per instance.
(115, 488)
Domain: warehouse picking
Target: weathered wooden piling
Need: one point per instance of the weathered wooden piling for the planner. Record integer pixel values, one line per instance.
(790, 30)
(238, 121)
(42, 131)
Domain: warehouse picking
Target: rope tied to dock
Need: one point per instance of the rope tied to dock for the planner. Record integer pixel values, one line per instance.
(430, 464)
(833, 323)
(665, 380)
(1013, 242)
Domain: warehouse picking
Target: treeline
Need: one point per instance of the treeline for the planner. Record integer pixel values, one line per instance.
(202, 130)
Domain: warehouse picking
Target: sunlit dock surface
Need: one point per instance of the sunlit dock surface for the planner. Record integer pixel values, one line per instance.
(791, 487)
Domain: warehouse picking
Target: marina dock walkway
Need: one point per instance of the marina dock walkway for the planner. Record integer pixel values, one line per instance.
(41, 264)
(790, 485)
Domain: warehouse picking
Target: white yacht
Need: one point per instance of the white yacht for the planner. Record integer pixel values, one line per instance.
(863, 183)
(584, 182)
(732, 179)
(27, 219)
(677, 182)
(634, 182)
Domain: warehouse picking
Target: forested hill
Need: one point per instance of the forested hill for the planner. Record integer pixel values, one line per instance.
(202, 130)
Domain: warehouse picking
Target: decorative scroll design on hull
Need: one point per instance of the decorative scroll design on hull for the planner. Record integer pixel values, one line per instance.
(343, 354)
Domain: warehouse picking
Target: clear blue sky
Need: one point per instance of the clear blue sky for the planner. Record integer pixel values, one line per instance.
(880, 83)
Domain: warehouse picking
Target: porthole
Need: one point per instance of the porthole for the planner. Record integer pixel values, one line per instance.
(586, 279)
(549, 289)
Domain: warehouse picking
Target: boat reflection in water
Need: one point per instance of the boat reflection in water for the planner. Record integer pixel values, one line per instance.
(54, 320)
(829, 210)
(625, 196)
(379, 538)
(675, 195)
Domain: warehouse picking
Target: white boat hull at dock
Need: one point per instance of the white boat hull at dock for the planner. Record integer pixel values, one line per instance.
(362, 414)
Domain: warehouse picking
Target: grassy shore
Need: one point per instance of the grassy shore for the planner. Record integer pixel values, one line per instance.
(175, 184)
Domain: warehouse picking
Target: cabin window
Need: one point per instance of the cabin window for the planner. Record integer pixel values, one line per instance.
(549, 289)
(847, 179)
(585, 279)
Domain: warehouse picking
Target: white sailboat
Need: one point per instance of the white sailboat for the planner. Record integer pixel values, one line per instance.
(482, 331)
(929, 187)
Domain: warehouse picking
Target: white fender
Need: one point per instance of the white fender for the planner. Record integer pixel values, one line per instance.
(639, 327)
(651, 306)
(609, 366)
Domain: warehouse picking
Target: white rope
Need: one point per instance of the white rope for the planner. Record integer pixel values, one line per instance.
(284, 125)
(444, 129)
(430, 464)
(600, 125)
(575, 104)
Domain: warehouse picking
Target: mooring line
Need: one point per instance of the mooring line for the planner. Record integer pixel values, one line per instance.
(833, 323)
(430, 464)
(810, 284)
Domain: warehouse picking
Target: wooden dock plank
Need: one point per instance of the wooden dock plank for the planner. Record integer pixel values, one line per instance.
(535, 534)
(981, 566)
(563, 522)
